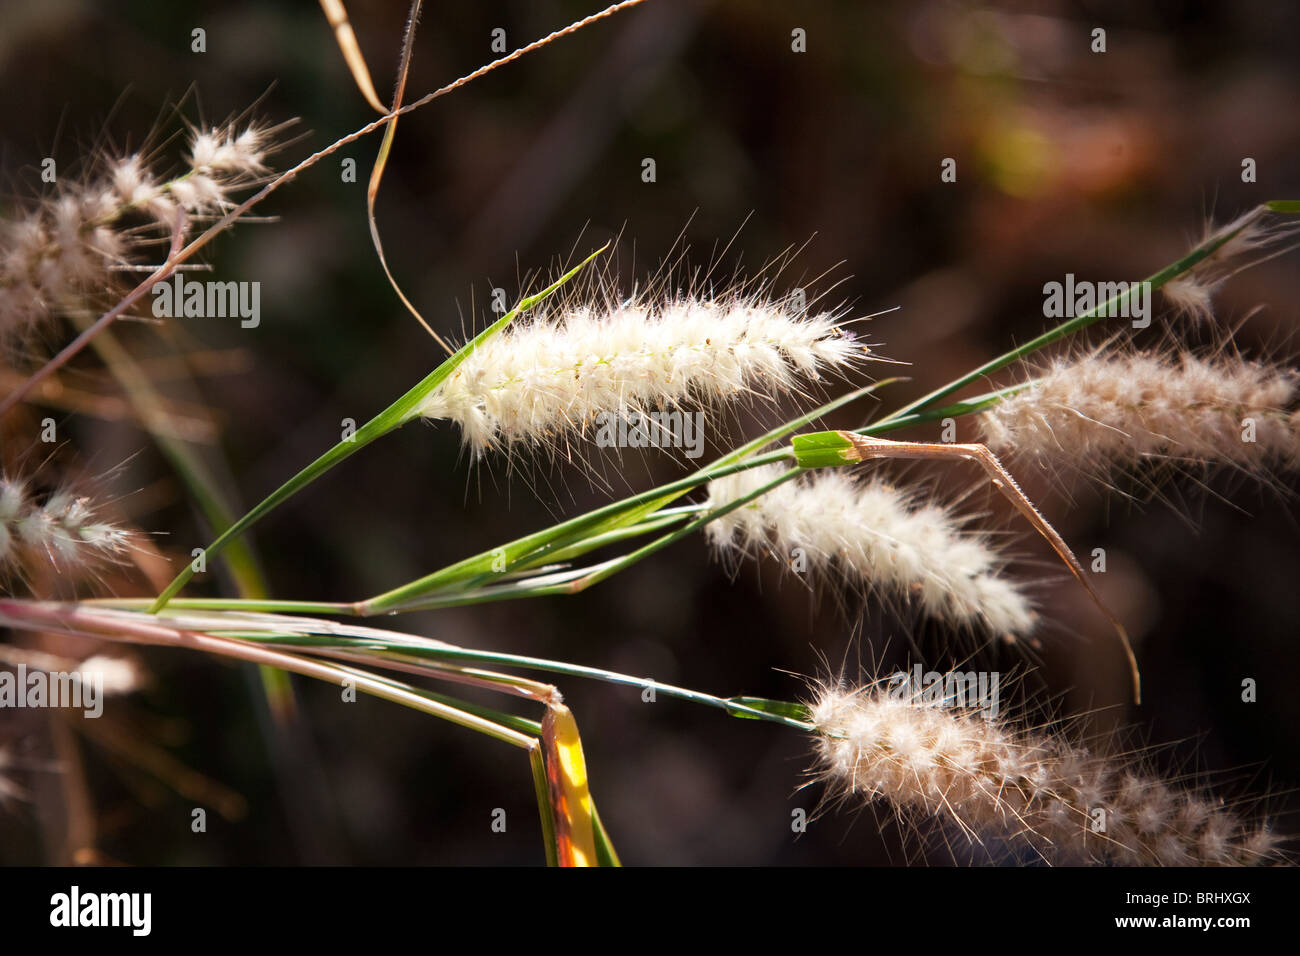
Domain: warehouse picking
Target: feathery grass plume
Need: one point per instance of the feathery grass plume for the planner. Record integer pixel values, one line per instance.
(1106, 411)
(871, 533)
(1260, 236)
(1191, 296)
(63, 531)
(1034, 791)
(55, 257)
(551, 375)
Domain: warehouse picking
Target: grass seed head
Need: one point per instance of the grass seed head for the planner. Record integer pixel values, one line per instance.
(63, 531)
(874, 535)
(1106, 412)
(69, 250)
(1037, 793)
(558, 372)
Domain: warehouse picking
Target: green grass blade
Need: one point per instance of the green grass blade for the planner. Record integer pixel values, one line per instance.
(780, 708)
(395, 415)
(370, 640)
(606, 855)
(1109, 308)
(542, 790)
(599, 527)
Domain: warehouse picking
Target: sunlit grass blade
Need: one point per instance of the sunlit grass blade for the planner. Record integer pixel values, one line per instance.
(566, 768)
(1111, 307)
(394, 416)
(381, 163)
(204, 492)
(606, 855)
(309, 634)
(599, 527)
(745, 706)
(351, 50)
(213, 635)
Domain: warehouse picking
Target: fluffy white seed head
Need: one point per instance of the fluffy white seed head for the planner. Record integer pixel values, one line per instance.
(63, 531)
(1107, 411)
(1191, 296)
(65, 252)
(557, 373)
(226, 151)
(1061, 802)
(1255, 236)
(871, 533)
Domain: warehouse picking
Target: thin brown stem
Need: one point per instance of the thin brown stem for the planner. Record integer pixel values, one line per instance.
(867, 447)
(237, 211)
(174, 259)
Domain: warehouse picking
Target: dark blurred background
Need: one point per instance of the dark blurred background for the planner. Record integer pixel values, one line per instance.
(1104, 165)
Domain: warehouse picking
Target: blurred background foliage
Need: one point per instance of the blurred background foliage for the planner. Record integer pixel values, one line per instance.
(1104, 165)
